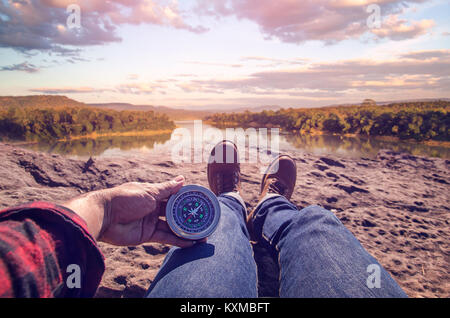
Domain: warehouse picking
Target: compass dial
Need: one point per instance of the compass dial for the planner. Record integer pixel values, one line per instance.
(193, 213)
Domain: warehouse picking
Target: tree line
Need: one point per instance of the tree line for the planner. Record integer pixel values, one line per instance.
(412, 120)
(34, 123)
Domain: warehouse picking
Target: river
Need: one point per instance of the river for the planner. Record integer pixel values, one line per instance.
(354, 147)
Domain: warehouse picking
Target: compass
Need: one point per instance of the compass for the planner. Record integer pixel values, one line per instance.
(193, 212)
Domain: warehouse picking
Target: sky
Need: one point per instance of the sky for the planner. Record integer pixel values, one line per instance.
(226, 53)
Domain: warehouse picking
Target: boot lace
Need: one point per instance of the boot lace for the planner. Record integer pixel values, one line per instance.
(276, 186)
(227, 182)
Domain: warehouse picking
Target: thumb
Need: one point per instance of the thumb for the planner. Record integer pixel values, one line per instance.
(165, 189)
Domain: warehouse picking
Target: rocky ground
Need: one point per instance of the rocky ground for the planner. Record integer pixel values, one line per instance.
(397, 205)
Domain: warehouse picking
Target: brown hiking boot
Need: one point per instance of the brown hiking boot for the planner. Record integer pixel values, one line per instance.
(280, 178)
(224, 170)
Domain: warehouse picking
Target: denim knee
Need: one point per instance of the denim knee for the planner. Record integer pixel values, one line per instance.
(319, 213)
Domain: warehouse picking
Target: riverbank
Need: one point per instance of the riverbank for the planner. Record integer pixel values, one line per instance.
(396, 204)
(315, 132)
(141, 133)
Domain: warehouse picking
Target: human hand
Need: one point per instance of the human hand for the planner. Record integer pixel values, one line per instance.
(130, 214)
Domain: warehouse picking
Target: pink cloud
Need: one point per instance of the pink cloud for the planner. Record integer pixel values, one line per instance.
(138, 88)
(426, 55)
(123, 88)
(330, 21)
(67, 90)
(399, 29)
(428, 70)
(408, 74)
(41, 24)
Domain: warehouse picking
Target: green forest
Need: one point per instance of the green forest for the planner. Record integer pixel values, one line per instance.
(421, 121)
(34, 123)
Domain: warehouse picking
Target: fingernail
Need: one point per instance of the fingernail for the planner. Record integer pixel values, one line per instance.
(179, 179)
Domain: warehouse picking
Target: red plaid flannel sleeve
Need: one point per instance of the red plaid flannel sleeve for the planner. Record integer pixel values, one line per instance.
(38, 242)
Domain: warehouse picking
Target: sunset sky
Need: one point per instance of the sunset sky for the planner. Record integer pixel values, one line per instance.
(226, 53)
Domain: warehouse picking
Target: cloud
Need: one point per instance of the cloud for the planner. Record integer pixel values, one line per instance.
(429, 70)
(42, 24)
(425, 55)
(138, 88)
(416, 74)
(67, 90)
(273, 62)
(330, 21)
(399, 29)
(214, 64)
(22, 67)
(123, 88)
(28, 25)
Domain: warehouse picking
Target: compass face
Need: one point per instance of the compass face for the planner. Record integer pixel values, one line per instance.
(193, 213)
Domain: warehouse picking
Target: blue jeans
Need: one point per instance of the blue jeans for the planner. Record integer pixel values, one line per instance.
(317, 257)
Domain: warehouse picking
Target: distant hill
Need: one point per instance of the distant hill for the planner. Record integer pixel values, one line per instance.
(55, 101)
(127, 106)
(255, 109)
(39, 101)
(413, 101)
(182, 114)
(383, 103)
(173, 113)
